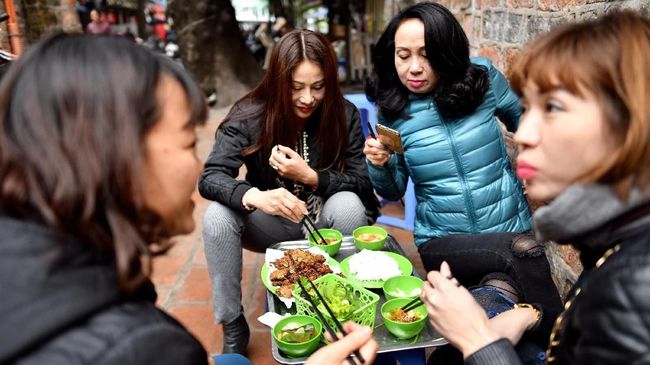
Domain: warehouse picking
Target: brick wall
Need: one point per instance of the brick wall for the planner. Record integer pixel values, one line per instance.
(498, 29)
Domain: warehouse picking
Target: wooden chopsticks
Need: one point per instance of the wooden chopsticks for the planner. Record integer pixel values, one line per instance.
(331, 331)
(306, 220)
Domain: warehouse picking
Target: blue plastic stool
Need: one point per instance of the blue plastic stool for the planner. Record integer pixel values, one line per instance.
(369, 117)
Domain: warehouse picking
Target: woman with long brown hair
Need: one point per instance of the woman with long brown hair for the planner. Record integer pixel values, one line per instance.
(296, 126)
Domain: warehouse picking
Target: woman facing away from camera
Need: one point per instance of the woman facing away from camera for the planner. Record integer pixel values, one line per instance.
(584, 143)
(296, 126)
(471, 210)
(88, 178)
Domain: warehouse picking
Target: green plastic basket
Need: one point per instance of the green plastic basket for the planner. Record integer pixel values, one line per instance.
(365, 314)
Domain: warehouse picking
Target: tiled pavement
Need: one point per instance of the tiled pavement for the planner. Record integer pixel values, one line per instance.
(183, 285)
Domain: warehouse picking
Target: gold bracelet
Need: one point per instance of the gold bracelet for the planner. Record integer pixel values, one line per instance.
(538, 315)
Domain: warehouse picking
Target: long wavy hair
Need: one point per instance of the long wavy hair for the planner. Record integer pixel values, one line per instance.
(607, 57)
(271, 100)
(75, 110)
(461, 84)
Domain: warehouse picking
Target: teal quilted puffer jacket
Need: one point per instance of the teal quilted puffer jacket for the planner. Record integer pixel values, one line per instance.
(464, 182)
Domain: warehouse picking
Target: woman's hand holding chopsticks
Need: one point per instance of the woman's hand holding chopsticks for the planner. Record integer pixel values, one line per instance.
(279, 202)
(358, 338)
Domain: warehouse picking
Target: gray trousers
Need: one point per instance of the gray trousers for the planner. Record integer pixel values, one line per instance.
(226, 232)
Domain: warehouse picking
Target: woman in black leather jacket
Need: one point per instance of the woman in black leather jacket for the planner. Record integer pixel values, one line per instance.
(295, 126)
(584, 144)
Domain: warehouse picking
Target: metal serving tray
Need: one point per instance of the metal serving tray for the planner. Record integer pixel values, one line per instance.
(387, 342)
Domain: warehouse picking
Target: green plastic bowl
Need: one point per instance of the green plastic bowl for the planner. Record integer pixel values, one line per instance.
(328, 233)
(403, 286)
(298, 349)
(375, 245)
(399, 329)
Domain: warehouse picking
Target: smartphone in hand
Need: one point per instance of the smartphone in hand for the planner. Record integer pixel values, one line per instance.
(390, 138)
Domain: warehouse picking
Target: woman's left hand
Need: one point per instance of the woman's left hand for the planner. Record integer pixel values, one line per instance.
(291, 166)
(455, 314)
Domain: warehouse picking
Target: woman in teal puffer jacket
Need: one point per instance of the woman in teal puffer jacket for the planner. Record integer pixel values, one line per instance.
(471, 209)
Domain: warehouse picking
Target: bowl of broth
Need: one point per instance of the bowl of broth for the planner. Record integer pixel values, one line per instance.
(369, 238)
(297, 335)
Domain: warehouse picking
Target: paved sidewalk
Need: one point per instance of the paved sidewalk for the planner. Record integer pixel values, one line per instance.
(183, 285)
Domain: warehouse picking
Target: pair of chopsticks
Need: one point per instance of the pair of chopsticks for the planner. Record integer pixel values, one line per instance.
(414, 303)
(306, 221)
(331, 331)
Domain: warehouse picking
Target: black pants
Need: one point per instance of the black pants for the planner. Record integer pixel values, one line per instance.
(515, 257)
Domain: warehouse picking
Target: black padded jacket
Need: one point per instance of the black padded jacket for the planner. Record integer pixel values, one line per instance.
(218, 183)
(60, 304)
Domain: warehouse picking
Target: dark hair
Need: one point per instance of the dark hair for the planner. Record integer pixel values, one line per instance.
(461, 84)
(273, 96)
(607, 57)
(75, 112)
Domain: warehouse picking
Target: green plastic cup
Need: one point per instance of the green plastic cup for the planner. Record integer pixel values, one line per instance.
(300, 349)
(400, 329)
(329, 234)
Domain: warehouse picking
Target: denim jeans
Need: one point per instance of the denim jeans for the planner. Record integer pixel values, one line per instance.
(512, 257)
(494, 302)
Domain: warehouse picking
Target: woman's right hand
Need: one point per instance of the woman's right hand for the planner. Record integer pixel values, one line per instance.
(455, 314)
(375, 152)
(359, 338)
(278, 202)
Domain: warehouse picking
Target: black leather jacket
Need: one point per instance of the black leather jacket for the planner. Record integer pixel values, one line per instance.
(609, 321)
(60, 304)
(218, 183)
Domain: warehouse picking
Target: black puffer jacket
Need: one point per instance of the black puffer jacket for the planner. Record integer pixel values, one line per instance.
(234, 135)
(609, 320)
(60, 304)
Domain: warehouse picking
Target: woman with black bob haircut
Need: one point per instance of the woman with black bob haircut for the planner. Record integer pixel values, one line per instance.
(97, 163)
(471, 209)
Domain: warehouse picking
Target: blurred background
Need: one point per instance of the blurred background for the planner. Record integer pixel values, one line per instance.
(223, 43)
